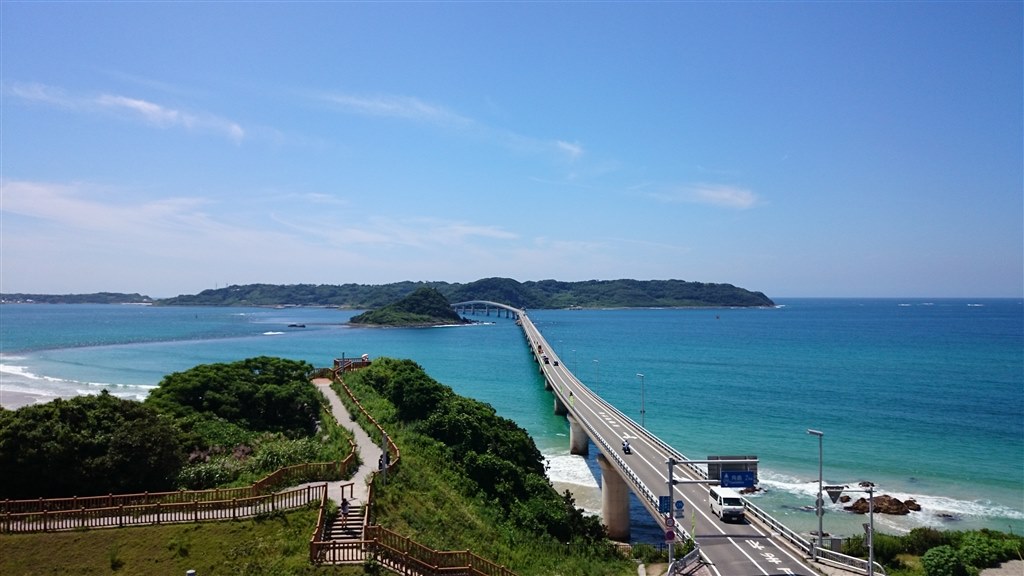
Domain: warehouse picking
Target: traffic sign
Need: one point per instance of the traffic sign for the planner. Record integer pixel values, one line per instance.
(664, 504)
(670, 535)
(834, 492)
(670, 522)
(679, 508)
(737, 479)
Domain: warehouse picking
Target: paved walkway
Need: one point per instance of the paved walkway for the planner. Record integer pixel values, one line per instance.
(369, 451)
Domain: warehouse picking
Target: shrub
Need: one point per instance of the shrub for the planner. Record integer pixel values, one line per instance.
(943, 561)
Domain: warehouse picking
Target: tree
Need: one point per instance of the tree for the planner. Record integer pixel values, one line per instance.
(87, 445)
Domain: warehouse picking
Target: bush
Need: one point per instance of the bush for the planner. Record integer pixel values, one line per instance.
(921, 540)
(979, 550)
(943, 561)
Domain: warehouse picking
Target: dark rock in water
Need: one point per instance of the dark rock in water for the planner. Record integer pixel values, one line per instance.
(844, 498)
(883, 504)
(866, 484)
(751, 490)
(912, 505)
(947, 517)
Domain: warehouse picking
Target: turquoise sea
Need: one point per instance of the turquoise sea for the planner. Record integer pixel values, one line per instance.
(923, 398)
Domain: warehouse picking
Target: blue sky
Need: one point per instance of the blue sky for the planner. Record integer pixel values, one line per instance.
(799, 149)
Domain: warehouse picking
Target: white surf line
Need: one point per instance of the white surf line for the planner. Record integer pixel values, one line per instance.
(768, 556)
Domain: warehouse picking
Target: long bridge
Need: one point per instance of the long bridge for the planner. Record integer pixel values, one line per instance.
(658, 474)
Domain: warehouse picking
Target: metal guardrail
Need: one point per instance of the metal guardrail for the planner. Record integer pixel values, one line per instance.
(838, 559)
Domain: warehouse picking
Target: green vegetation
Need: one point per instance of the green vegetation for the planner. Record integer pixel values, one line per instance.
(95, 298)
(212, 425)
(274, 545)
(87, 445)
(930, 552)
(424, 307)
(543, 294)
(470, 479)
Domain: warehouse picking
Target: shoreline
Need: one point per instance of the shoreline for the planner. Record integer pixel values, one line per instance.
(12, 400)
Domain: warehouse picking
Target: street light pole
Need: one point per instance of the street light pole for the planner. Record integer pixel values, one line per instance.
(820, 501)
(643, 409)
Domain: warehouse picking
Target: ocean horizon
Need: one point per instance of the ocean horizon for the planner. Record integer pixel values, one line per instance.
(923, 397)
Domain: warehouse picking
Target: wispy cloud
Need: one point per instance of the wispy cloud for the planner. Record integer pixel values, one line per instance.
(572, 149)
(151, 113)
(721, 195)
(414, 109)
(390, 106)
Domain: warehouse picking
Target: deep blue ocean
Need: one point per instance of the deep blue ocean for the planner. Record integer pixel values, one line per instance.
(923, 398)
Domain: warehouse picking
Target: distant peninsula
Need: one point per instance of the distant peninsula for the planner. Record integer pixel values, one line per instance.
(424, 307)
(540, 294)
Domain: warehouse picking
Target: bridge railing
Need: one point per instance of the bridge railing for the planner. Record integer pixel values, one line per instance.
(700, 472)
(642, 491)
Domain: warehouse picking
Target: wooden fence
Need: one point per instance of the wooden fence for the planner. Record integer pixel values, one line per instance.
(121, 515)
(391, 550)
(404, 556)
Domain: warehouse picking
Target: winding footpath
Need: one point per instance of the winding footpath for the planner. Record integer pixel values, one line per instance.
(369, 451)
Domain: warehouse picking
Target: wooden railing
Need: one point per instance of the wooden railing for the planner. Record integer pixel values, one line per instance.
(152, 513)
(40, 513)
(390, 549)
(404, 556)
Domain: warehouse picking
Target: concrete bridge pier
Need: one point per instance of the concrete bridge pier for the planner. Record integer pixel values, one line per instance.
(614, 501)
(579, 442)
(560, 409)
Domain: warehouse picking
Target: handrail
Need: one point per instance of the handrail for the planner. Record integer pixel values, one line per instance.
(392, 550)
(308, 471)
(156, 513)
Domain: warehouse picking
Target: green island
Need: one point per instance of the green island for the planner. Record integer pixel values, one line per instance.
(424, 307)
(621, 293)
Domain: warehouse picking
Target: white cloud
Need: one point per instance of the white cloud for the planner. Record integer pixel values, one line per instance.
(572, 149)
(414, 109)
(164, 117)
(720, 195)
(150, 112)
(404, 107)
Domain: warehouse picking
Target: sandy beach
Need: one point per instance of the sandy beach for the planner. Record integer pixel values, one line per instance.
(14, 400)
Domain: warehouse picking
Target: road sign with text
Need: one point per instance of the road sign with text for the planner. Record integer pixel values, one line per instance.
(737, 479)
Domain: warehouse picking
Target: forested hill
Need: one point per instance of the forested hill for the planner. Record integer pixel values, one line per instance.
(542, 294)
(424, 307)
(95, 298)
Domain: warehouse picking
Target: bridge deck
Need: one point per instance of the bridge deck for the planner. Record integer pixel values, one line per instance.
(734, 549)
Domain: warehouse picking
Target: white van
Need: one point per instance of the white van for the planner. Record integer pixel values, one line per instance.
(726, 503)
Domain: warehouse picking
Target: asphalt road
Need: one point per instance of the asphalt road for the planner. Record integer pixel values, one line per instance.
(733, 548)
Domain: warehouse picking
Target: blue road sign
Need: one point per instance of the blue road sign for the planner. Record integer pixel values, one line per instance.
(737, 479)
(664, 504)
(680, 505)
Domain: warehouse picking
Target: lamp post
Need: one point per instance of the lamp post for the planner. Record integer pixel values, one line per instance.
(643, 409)
(820, 502)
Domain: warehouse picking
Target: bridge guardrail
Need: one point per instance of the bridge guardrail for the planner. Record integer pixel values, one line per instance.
(646, 493)
(828, 556)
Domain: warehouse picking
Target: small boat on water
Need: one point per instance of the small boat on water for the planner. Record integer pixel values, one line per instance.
(296, 325)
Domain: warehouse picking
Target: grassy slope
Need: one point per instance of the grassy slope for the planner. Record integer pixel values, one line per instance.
(278, 545)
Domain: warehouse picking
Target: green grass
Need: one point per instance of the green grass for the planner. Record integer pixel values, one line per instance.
(432, 504)
(271, 546)
(426, 500)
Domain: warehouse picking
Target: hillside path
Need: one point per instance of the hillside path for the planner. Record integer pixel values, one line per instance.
(369, 451)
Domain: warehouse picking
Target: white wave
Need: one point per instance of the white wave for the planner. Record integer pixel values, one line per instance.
(272, 333)
(569, 469)
(934, 509)
(21, 371)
